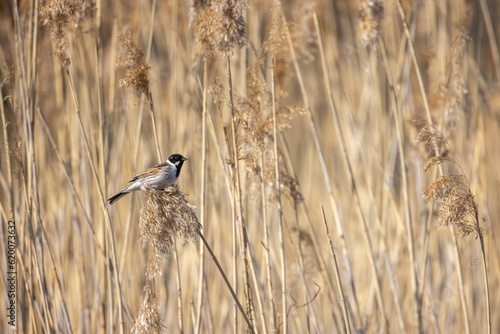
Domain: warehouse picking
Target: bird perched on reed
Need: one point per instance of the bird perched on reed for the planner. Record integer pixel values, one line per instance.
(158, 177)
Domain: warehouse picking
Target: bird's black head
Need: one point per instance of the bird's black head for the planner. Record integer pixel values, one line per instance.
(177, 160)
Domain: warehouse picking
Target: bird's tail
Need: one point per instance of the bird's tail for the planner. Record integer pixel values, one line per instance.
(117, 196)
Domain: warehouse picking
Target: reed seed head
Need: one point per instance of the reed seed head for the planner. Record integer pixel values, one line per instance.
(149, 319)
(219, 26)
(134, 62)
(369, 23)
(302, 34)
(165, 215)
(449, 99)
(55, 14)
(434, 142)
(458, 204)
(459, 207)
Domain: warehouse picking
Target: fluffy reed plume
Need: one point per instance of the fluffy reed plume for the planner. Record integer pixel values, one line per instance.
(56, 14)
(435, 144)
(369, 22)
(450, 94)
(134, 62)
(459, 207)
(219, 26)
(303, 36)
(149, 319)
(254, 120)
(165, 215)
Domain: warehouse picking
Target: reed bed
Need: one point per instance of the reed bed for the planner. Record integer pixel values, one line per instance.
(342, 176)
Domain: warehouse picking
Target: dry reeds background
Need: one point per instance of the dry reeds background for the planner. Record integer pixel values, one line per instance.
(343, 165)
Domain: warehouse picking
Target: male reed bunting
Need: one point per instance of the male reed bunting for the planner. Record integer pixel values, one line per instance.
(158, 177)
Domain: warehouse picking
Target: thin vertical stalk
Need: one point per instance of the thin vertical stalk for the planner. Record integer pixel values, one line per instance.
(415, 61)
(179, 287)
(347, 327)
(114, 262)
(269, 282)
(6, 147)
(321, 156)
(316, 243)
(199, 299)
(348, 166)
(429, 119)
(150, 96)
(234, 242)
(231, 290)
(461, 289)
(100, 98)
(486, 284)
(491, 36)
(71, 184)
(237, 193)
(404, 178)
(27, 91)
(278, 195)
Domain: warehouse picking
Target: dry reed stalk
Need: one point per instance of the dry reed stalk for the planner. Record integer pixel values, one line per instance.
(312, 231)
(35, 217)
(58, 281)
(458, 203)
(380, 215)
(491, 36)
(220, 157)
(150, 96)
(269, 283)
(98, 51)
(199, 300)
(234, 257)
(6, 146)
(429, 118)
(348, 166)
(247, 252)
(278, 194)
(383, 235)
(71, 184)
(400, 136)
(29, 291)
(219, 27)
(101, 130)
(56, 17)
(415, 61)
(319, 150)
(238, 207)
(217, 91)
(243, 236)
(347, 327)
(107, 218)
(180, 317)
(299, 259)
(236, 300)
(34, 220)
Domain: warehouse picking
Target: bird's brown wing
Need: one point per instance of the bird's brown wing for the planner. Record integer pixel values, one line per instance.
(151, 171)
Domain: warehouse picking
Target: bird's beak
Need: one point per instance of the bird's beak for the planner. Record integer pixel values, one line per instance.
(184, 159)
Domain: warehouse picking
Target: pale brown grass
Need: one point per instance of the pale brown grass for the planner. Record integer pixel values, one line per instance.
(278, 114)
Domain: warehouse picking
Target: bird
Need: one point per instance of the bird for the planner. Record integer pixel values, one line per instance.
(159, 177)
